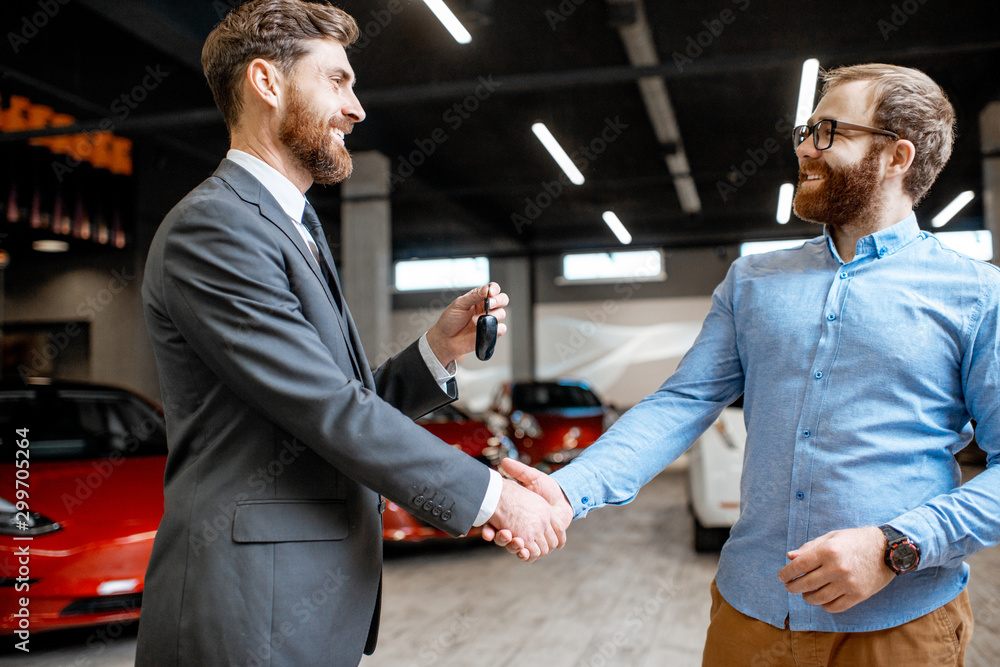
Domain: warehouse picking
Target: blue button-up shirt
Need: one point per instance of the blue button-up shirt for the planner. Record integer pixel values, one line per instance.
(859, 381)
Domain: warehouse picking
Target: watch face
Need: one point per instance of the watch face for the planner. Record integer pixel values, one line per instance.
(904, 557)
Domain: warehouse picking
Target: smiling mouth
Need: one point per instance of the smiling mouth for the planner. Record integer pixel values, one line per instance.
(812, 177)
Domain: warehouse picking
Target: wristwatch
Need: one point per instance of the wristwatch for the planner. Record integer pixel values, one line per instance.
(901, 553)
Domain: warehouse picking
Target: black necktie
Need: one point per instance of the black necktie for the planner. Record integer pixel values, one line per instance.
(325, 259)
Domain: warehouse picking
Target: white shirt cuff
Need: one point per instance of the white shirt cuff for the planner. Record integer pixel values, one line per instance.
(491, 500)
(440, 373)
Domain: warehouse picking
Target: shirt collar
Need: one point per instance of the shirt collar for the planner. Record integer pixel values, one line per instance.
(292, 201)
(885, 241)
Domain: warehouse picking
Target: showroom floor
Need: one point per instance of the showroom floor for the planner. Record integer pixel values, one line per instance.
(628, 590)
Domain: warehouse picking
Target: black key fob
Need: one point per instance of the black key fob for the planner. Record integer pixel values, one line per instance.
(486, 333)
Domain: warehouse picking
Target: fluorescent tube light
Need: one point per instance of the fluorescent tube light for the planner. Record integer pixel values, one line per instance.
(50, 245)
(449, 20)
(807, 91)
(557, 152)
(785, 203)
(949, 211)
(617, 227)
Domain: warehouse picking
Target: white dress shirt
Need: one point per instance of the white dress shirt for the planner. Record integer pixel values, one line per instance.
(293, 203)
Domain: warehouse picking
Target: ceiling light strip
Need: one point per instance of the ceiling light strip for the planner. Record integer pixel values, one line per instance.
(785, 193)
(952, 209)
(449, 20)
(617, 227)
(557, 152)
(807, 91)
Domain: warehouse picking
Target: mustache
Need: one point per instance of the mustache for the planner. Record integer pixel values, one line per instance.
(344, 126)
(815, 167)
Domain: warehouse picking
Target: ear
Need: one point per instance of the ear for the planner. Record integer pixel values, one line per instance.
(901, 154)
(264, 82)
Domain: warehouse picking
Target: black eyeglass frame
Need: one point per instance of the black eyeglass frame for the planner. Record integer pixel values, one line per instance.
(811, 130)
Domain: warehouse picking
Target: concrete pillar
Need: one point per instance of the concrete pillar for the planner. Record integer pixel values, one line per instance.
(989, 137)
(366, 258)
(515, 275)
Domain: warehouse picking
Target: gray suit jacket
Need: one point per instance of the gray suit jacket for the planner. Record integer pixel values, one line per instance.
(280, 441)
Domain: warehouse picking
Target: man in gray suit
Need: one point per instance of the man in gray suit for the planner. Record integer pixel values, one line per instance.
(281, 437)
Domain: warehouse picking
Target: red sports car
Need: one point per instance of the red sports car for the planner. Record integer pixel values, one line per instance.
(463, 432)
(81, 496)
(549, 423)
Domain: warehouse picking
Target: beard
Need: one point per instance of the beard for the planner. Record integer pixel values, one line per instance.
(308, 136)
(845, 195)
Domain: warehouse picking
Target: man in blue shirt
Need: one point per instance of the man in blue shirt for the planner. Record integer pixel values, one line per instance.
(862, 356)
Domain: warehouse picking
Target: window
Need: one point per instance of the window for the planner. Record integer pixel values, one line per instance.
(644, 265)
(431, 274)
(756, 247)
(977, 244)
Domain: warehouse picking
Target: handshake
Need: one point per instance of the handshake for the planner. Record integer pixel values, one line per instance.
(532, 515)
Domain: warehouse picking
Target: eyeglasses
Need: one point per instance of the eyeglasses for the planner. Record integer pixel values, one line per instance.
(823, 131)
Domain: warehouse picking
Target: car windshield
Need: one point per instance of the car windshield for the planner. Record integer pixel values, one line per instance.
(67, 425)
(552, 396)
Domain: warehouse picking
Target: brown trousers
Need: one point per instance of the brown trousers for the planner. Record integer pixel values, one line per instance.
(938, 638)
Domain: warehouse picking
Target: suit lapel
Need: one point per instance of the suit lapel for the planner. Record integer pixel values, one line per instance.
(253, 191)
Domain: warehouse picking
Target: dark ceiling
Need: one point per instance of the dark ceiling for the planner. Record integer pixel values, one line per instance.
(731, 68)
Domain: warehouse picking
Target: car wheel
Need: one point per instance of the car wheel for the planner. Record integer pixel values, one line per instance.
(709, 540)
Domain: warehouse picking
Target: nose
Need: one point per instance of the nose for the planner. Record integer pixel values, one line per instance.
(807, 150)
(353, 109)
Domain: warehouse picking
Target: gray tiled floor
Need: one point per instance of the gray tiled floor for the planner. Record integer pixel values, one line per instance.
(628, 590)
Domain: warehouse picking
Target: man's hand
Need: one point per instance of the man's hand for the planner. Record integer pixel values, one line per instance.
(527, 516)
(454, 334)
(840, 569)
(543, 485)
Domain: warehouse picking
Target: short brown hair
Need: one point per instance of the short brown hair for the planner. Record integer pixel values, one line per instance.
(911, 104)
(270, 29)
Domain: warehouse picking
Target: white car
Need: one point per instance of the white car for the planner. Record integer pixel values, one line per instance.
(715, 468)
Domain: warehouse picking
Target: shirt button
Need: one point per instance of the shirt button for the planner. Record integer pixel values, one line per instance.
(818, 374)
(881, 252)
(843, 274)
(806, 434)
(585, 500)
(831, 317)
(800, 495)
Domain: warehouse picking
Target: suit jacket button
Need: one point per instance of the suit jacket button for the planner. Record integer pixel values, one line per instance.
(418, 501)
(437, 511)
(428, 505)
(445, 515)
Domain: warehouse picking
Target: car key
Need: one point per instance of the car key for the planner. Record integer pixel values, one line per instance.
(486, 333)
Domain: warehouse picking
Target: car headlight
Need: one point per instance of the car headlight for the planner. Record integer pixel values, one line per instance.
(525, 425)
(23, 524)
